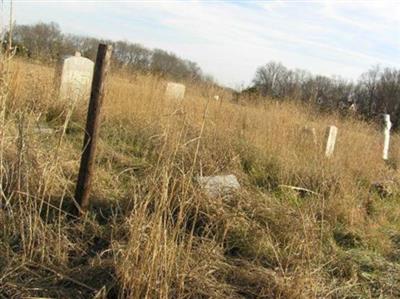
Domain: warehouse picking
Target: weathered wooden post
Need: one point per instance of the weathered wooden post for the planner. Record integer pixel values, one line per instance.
(92, 124)
(331, 133)
(386, 133)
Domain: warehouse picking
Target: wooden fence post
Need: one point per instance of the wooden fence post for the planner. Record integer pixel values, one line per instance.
(92, 125)
(331, 133)
(386, 133)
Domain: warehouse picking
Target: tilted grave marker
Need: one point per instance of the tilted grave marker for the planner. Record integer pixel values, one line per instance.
(331, 133)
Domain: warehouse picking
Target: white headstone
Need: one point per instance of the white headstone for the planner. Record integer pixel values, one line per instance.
(216, 186)
(386, 133)
(216, 97)
(76, 77)
(175, 91)
(331, 140)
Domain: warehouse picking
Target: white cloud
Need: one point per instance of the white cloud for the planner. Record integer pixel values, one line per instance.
(230, 39)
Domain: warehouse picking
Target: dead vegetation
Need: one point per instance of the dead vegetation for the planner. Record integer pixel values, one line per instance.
(152, 233)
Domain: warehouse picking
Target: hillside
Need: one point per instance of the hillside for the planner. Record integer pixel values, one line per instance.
(153, 233)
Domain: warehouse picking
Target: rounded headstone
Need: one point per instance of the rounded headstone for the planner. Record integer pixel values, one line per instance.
(76, 78)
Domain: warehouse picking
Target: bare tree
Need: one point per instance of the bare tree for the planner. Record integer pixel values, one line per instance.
(41, 40)
(368, 90)
(48, 43)
(132, 56)
(271, 78)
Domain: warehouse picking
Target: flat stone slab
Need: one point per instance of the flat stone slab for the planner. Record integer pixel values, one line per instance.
(46, 131)
(43, 129)
(217, 186)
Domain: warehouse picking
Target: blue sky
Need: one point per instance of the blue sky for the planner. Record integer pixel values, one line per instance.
(230, 39)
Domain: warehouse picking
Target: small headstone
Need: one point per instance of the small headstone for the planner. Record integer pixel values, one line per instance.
(309, 134)
(386, 133)
(76, 77)
(331, 133)
(217, 186)
(175, 91)
(216, 97)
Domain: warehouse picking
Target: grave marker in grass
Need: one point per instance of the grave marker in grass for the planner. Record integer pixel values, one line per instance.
(175, 91)
(220, 185)
(76, 78)
(331, 133)
(309, 134)
(92, 126)
(386, 134)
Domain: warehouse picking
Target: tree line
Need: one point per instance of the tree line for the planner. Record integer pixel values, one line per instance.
(376, 91)
(46, 42)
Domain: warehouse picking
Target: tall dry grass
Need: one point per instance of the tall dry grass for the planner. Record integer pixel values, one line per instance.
(152, 233)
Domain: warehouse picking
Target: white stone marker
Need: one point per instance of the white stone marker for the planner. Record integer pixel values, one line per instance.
(331, 133)
(220, 185)
(386, 133)
(175, 91)
(216, 97)
(76, 78)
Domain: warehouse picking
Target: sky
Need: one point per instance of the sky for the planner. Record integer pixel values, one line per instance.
(230, 39)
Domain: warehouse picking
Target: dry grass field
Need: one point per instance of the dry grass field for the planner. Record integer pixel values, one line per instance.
(152, 233)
